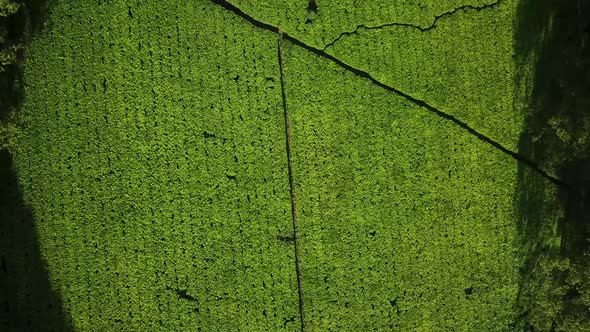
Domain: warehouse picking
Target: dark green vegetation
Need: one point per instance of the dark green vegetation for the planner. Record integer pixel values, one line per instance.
(19, 20)
(552, 44)
(9, 50)
(11, 44)
(27, 301)
(150, 146)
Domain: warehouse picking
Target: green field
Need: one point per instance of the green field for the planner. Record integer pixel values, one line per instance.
(462, 64)
(407, 222)
(151, 147)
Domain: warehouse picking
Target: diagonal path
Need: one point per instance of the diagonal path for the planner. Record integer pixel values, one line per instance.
(406, 221)
(229, 6)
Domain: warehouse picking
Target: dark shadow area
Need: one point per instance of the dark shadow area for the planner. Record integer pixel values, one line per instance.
(27, 302)
(36, 12)
(575, 230)
(554, 223)
(16, 30)
(312, 6)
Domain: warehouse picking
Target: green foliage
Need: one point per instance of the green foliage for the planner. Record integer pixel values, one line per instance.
(553, 78)
(557, 294)
(8, 56)
(554, 65)
(151, 149)
(7, 134)
(152, 153)
(332, 18)
(9, 51)
(406, 220)
(463, 65)
(574, 317)
(8, 7)
(29, 302)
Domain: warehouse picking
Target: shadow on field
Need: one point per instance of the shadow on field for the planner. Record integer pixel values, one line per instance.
(554, 294)
(27, 301)
(16, 31)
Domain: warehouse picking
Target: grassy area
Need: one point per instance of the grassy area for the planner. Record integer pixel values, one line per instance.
(407, 221)
(152, 153)
(321, 26)
(150, 147)
(463, 63)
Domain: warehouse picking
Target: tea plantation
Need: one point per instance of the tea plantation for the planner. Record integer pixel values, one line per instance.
(214, 165)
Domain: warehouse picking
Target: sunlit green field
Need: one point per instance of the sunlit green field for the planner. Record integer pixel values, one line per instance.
(152, 149)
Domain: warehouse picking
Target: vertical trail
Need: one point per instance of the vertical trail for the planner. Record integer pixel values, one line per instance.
(291, 184)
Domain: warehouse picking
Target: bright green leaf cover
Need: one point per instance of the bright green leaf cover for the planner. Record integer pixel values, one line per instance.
(151, 147)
